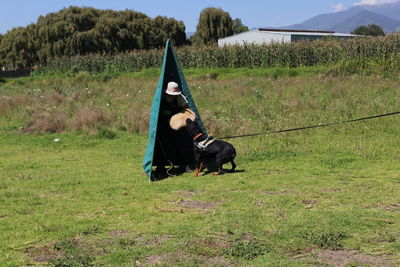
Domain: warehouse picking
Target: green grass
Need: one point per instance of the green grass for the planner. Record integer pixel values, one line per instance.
(84, 199)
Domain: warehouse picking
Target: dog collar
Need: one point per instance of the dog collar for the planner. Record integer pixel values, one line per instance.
(197, 136)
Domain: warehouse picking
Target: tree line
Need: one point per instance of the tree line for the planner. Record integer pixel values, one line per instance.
(76, 31)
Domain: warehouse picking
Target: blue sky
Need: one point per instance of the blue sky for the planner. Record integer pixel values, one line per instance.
(253, 13)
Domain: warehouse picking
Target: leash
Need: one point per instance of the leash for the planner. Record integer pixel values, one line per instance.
(313, 126)
(171, 166)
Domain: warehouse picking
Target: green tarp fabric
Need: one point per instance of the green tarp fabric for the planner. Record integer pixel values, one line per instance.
(166, 146)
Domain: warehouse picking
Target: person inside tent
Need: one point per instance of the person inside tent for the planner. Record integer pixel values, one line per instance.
(171, 140)
(175, 100)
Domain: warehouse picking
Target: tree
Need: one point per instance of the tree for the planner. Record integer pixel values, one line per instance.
(78, 31)
(369, 30)
(18, 48)
(238, 27)
(164, 28)
(214, 23)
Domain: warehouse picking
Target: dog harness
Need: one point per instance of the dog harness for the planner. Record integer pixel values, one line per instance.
(205, 143)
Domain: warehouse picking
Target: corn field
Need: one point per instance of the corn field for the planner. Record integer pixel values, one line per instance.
(353, 53)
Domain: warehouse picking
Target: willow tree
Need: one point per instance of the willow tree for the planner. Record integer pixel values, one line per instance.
(164, 28)
(77, 31)
(18, 48)
(214, 23)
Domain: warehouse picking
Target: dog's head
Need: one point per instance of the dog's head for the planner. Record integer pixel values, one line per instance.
(192, 128)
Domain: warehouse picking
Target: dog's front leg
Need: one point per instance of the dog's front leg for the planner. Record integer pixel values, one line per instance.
(199, 164)
(199, 169)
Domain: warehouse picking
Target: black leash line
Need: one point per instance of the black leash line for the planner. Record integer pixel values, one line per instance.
(314, 126)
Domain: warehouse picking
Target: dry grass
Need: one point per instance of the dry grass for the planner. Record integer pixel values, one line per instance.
(9, 103)
(88, 117)
(54, 99)
(49, 120)
(4, 105)
(227, 106)
(136, 119)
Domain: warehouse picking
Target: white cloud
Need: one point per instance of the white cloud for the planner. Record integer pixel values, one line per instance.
(374, 2)
(338, 7)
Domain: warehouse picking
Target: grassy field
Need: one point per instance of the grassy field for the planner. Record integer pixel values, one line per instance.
(72, 194)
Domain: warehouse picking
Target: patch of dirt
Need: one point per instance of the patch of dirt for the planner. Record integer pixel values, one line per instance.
(153, 241)
(195, 204)
(170, 259)
(156, 260)
(210, 243)
(215, 261)
(97, 247)
(266, 192)
(119, 232)
(331, 190)
(190, 193)
(393, 207)
(309, 203)
(339, 258)
(94, 247)
(43, 254)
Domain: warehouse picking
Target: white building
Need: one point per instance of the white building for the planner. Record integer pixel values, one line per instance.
(268, 36)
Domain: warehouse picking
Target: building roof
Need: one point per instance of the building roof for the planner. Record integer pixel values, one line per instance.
(286, 30)
(294, 32)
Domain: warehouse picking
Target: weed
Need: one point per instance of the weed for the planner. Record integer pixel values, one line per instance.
(205, 247)
(126, 243)
(105, 133)
(326, 240)
(71, 254)
(247, 249)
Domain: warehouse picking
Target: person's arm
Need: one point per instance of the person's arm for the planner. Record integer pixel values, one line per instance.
(182, 102)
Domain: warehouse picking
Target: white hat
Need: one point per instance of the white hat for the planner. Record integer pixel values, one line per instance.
(173, 89)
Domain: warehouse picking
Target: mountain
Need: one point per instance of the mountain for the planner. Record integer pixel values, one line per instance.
(325, 21)
(364, 18)
(390, 10)
(385, 15)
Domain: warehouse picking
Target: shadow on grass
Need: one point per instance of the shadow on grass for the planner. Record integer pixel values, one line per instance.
(163, 173)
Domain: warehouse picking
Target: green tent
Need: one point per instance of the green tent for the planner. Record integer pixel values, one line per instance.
(166, 146)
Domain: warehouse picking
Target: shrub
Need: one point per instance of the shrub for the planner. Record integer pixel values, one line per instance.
(105, 133)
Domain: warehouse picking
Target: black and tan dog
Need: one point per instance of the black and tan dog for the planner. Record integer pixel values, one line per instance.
(208, 148)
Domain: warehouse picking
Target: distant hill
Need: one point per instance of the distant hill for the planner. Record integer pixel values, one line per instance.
(325, 21)
(386, 15)
(364, 18)
(390, 10)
